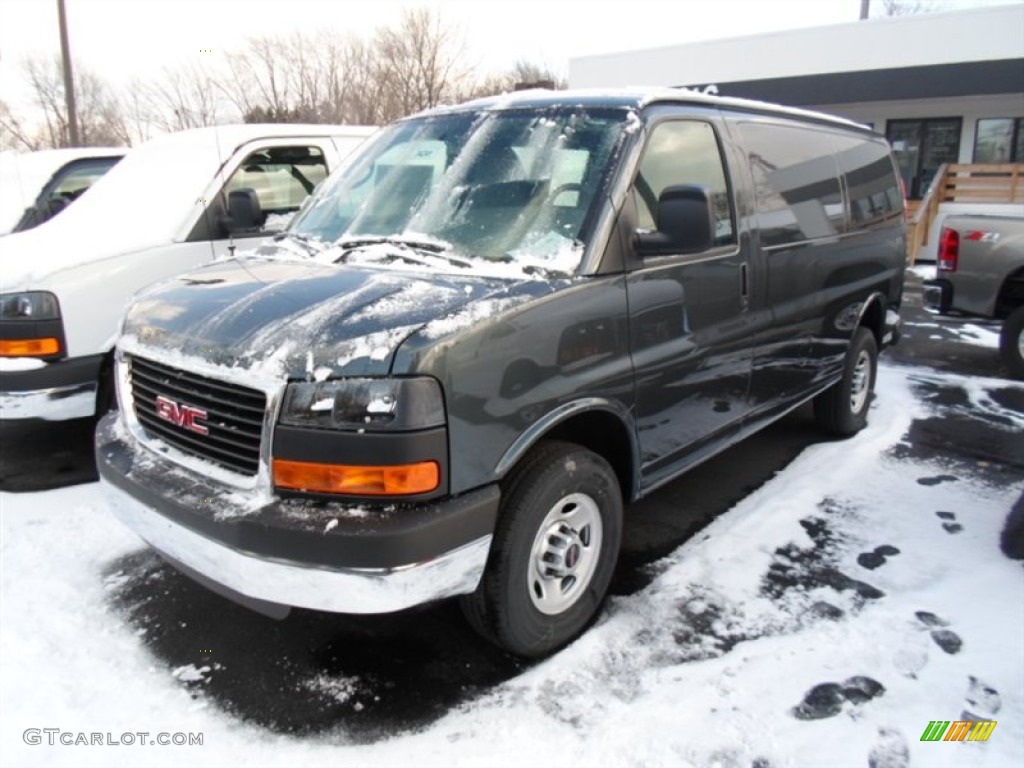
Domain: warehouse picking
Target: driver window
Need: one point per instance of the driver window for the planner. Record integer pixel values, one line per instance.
(281, 179)
(683, 152)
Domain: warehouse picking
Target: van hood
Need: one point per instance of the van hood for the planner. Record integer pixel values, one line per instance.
(279, 319)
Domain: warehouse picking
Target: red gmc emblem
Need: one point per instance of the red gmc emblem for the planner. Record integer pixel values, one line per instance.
(184, 416)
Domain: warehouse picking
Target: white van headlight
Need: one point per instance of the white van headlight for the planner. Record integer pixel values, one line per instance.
(29, 305)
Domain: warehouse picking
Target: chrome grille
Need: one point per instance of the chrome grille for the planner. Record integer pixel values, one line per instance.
(234, 414)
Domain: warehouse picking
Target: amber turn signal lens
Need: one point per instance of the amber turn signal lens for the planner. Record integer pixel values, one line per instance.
(29, 347)
(403, 480)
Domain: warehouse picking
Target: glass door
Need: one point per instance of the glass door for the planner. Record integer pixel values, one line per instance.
(921, 147)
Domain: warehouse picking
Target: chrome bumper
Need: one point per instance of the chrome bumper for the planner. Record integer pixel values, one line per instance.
(937, 295)
(287, 583)
(75, 401)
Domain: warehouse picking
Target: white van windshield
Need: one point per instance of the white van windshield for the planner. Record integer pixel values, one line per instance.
(507, 186)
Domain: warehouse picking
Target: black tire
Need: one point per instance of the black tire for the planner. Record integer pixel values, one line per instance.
(517, 607)
(1011, 339)
(842, 409)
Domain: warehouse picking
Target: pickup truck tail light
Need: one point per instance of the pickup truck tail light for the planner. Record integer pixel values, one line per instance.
(949, 250)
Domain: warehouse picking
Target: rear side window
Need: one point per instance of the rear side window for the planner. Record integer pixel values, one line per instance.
(683, 152)
(78, 177)
(796, 182)
(871, 183)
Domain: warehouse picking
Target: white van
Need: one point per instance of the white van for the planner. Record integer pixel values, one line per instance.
(172, 204)
(36, 186)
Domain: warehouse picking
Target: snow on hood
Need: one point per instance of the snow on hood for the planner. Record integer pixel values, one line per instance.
(23, 175)
(287, 319)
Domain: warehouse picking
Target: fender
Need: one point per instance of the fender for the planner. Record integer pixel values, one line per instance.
(876, 296)
(542, 426)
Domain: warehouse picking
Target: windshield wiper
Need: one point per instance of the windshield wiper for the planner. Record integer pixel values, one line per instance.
(433, 246)
(428, 247)
(546, 272)
(311, 246)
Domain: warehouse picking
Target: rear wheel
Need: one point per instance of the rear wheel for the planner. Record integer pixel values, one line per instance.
(1011, 343)
(553, 553)
(843, 408)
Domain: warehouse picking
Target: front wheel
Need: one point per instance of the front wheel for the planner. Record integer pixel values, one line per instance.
(1011, 343)
(843, 408)
(553, 552)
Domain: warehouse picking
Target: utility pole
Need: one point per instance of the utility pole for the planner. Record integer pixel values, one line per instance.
(69, 81)
(865, 9)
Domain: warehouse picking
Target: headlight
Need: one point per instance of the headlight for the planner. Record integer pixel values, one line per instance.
(374, 404)
(30, 325)
(31, 305)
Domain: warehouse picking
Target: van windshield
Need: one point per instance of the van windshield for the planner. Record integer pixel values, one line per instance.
(515, 186)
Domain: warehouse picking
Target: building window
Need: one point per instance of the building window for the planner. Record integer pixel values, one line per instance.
(999, 140)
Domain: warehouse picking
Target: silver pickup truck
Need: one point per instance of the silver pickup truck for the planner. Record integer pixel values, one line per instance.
(980, 271)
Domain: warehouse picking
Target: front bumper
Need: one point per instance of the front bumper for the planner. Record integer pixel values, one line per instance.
(268, 553)
(62, 390)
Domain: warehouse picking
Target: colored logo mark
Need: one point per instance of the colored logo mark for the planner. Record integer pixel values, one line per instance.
(958, 730)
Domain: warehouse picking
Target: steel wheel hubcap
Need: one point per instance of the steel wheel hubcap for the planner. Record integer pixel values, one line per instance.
(564, 554)
(861, 381)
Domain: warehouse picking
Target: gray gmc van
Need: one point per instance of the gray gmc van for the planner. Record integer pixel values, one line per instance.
(485, 336)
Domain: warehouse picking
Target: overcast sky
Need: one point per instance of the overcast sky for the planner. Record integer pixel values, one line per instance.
(118, 39)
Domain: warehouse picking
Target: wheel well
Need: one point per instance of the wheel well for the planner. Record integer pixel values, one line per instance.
(874, 319)
(1011, 294)
(604, 434)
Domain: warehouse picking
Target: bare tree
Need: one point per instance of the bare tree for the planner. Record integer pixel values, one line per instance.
(414, 64)
(523, 74)
(404, 68)
(13, 134)
(98, 110)
(181, 98)
(540, 74)
(365, 101)
(257, 77)
(417, 62)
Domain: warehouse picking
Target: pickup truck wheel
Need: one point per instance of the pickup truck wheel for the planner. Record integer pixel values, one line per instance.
(1011, 343)
(843, 408)
(553, 552)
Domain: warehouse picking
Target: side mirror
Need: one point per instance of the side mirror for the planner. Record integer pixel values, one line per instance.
(685, 223)
(244, 216)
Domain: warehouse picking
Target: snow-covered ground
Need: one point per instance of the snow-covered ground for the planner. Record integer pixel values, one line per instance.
(823, 621)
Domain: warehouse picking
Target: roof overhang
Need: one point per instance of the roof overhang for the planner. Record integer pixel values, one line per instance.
(897, 84)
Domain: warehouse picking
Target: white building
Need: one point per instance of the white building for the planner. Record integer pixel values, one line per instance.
(944, 87)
